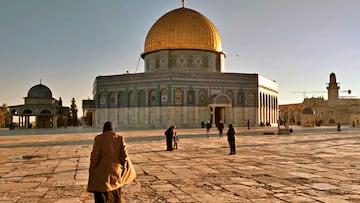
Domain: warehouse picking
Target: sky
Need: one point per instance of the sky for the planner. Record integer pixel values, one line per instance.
(66, 44)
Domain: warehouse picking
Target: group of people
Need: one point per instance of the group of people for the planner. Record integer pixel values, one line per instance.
(111, 167)
(171, 136)
(267, 124)
(220, 126)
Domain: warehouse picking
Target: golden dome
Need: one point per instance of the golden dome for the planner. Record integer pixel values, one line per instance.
(183, 28)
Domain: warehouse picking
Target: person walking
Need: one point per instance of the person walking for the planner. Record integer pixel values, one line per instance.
(110, 166)
(169, 133)
(208, 127)
(231, 139)
(220, 128)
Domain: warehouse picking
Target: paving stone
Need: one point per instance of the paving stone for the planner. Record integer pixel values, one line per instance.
(303, 175)
(332, 199)
(323, 186)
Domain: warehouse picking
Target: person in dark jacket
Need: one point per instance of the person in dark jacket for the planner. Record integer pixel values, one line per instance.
(169, 133)
(220, 127)
(231, 139)
(208, 127)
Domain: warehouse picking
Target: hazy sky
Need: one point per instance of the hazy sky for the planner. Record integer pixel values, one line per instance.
(67, 43)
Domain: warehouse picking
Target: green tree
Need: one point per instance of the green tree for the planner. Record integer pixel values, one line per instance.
(73, 113)
(4, 116)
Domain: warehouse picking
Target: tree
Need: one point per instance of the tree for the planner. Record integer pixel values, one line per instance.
(60, 101)
(73, 113)
(4, 116)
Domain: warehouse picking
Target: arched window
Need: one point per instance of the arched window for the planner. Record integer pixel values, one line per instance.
(178, 97)
(27, 111)
(202, 98)
(222, 99)
(121, 100)
(240, 99)
(47, 112)
(153, 98)
(142, 98)
(102, 99)
(251, 98)
(132, 98)
(164, 96)
(191, 97)
(112, 99)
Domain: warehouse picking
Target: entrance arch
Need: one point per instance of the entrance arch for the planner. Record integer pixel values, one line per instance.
(217, 106)
(25, 119)
(45, 119)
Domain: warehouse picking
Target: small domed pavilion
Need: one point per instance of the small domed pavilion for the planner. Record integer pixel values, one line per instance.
(46, 111)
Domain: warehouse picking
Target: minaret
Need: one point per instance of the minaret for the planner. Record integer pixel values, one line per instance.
(333, 91)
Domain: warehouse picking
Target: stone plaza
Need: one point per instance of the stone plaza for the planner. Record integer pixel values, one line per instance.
(309, 165)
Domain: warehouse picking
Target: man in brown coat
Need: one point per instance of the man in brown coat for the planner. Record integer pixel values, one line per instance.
(110, 166)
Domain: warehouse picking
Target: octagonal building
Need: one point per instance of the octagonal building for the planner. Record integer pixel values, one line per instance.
(184, 82)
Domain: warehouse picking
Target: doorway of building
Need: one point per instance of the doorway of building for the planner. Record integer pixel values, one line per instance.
(219, 114)
(44, 121)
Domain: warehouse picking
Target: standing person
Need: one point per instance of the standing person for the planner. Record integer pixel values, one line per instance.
(208, 127)
(231, 139)
(176, 140)
(110, 166)
(220, 128)
(169, 133)
(248, 124)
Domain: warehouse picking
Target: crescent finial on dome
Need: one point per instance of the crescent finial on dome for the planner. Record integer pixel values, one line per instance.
(183, 3)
